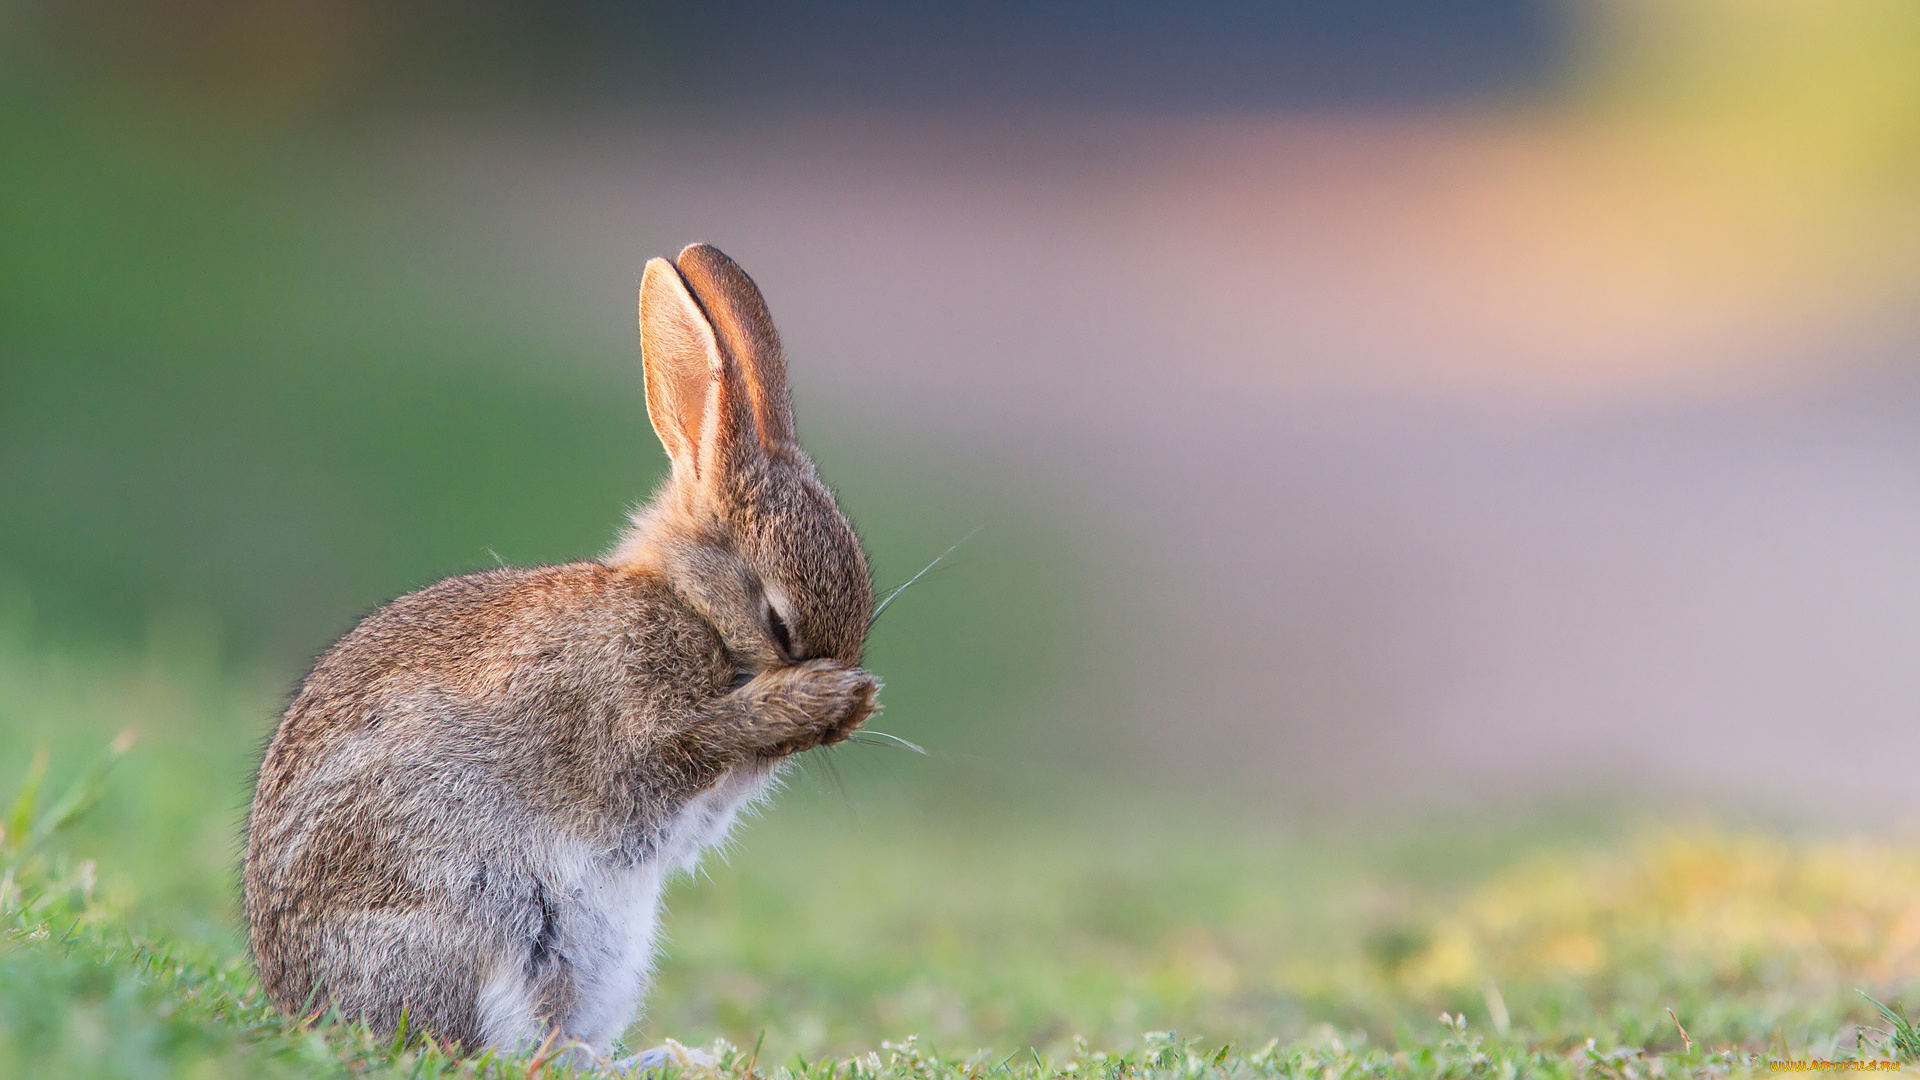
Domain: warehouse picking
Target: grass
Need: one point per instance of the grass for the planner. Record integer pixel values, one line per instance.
(952, 922)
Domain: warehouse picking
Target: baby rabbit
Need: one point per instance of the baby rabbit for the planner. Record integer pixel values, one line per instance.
(468, 811)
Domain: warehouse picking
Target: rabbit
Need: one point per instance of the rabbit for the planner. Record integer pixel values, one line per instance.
(466, 815)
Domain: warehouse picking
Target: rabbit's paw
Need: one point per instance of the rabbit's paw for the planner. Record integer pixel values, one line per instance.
(817, 703)
(854, 700)
(669, 1052)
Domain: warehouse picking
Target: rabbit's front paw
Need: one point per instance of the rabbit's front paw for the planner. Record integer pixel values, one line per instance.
(817, 703)
(854, 697)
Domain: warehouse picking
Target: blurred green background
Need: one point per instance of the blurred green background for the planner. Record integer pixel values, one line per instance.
(271, 353)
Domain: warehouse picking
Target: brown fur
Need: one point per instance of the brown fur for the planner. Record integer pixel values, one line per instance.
(442, 760)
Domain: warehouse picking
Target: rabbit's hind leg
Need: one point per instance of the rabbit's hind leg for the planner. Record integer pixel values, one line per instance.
(384, 965)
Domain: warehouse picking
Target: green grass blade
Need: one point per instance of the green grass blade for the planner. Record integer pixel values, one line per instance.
(19, 820)
(1903, 1041)
(82, 795)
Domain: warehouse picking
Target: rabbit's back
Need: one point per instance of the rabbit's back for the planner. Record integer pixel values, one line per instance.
(546, 681)
(458, 791)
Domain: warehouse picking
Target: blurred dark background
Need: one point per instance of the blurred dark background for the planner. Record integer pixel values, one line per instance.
(783, 57)
(1360, 404)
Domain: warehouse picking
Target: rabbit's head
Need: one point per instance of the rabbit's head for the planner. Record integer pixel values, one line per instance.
(743, 531)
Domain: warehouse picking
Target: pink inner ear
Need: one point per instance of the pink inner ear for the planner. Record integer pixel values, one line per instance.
(683, 366)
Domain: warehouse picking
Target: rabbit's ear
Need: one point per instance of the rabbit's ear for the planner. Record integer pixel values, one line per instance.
(692, 397)
(744, 328)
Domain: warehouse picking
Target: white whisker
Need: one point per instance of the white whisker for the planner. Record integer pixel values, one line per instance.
(877, 612)
(915, 747)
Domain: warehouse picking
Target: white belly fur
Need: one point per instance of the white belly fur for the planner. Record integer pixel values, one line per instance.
(609, 918)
